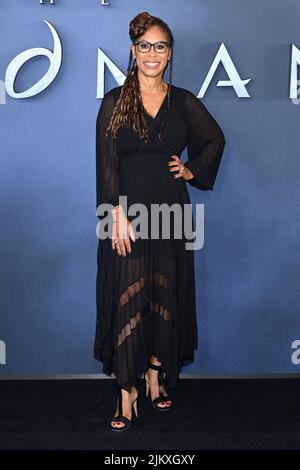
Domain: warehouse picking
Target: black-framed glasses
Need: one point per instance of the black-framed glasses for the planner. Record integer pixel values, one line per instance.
(159, 46)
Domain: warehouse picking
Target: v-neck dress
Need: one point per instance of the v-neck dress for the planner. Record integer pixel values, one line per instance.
(146, 300)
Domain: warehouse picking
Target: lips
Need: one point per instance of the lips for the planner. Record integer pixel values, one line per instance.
(151, 65)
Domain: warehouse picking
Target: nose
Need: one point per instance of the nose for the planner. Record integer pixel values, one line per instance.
(152, 52)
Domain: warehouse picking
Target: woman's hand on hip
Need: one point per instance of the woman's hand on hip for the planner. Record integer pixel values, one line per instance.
(183, 171)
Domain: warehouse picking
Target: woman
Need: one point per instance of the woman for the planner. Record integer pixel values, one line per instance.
(146, 315)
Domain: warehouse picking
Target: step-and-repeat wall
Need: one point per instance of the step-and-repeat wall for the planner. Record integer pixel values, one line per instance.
(57, 58)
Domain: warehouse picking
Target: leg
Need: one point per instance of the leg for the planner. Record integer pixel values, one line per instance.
(156, 390)
(128, 400)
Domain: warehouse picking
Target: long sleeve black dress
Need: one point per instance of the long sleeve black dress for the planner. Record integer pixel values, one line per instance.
(146, 300)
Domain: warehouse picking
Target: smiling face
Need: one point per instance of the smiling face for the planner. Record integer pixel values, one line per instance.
(152, 63)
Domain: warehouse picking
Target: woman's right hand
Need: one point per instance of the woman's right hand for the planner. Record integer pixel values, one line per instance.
(122, 232)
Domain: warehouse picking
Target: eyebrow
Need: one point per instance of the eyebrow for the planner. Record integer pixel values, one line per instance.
(160, 40)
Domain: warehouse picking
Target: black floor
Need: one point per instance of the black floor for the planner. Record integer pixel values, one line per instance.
(208, 414)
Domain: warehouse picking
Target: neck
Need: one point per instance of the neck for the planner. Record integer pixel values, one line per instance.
(152, 87)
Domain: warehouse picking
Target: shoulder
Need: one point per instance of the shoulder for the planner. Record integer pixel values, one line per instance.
(112, 95)
(113, 92)
(183, 92)
(187, 96)
(188, 99)
(109, 101)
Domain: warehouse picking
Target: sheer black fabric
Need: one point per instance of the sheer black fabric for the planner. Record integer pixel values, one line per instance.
(107, 174)
(146, 300)
(205, 143)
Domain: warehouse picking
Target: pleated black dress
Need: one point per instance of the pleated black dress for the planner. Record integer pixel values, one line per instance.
(146, 300)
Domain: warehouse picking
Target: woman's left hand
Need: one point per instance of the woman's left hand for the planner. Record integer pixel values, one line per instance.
(183, 171)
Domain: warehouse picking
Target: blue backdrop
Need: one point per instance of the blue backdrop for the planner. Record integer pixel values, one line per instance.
(248, 271)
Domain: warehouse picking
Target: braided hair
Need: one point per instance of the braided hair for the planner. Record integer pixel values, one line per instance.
(128, 110)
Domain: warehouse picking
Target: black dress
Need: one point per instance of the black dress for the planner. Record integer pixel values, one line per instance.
(146, 300)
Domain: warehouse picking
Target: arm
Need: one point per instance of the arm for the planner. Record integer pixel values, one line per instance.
(205, 143)
(107, 161)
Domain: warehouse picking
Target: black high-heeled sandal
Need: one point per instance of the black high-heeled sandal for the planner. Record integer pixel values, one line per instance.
(161, 398)
(123, 419)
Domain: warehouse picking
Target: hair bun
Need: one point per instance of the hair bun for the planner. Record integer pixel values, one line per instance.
(139, 24)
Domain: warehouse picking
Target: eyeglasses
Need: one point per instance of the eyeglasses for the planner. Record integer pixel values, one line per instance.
(159, 46)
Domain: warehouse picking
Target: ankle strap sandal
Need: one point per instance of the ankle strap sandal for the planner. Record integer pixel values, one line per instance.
(162, 398)
(123, 419)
